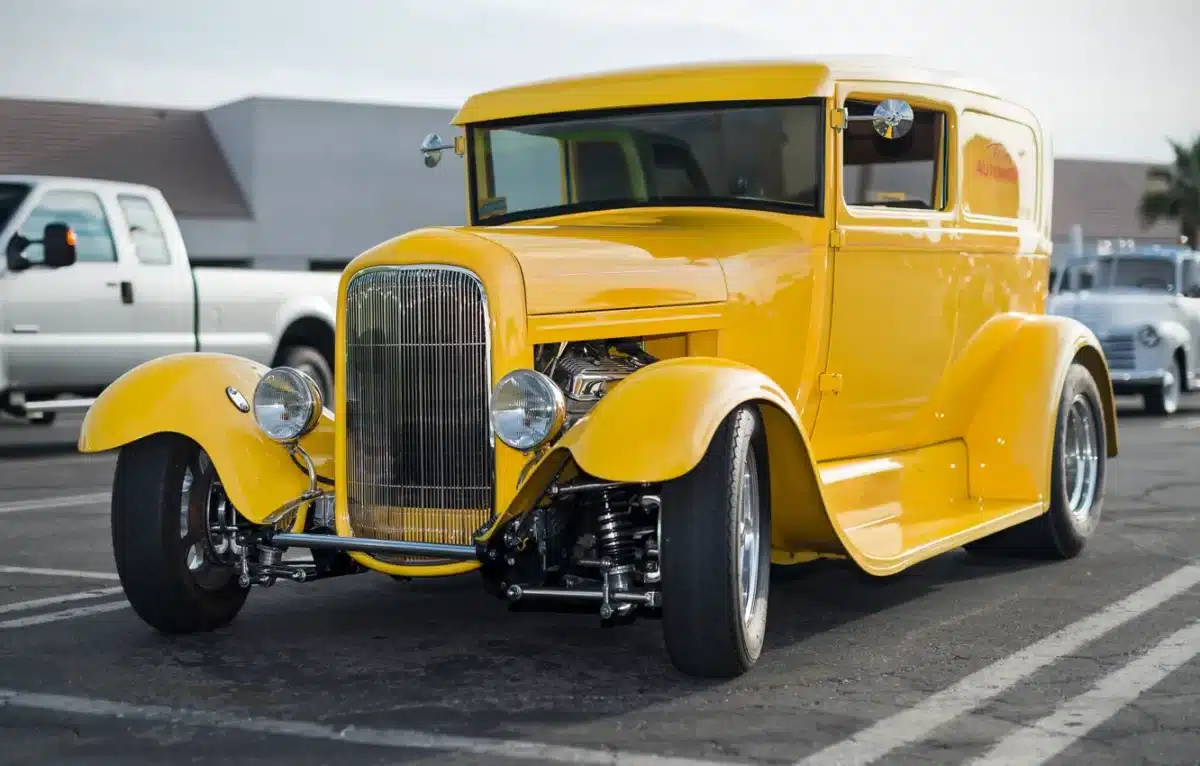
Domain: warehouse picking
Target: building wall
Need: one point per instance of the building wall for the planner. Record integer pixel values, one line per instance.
(326, 181)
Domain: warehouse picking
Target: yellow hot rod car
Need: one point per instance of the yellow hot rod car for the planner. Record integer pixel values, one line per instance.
(701, 319)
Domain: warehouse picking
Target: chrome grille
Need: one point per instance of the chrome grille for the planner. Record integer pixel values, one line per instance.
(418, 377)
(1119, 350)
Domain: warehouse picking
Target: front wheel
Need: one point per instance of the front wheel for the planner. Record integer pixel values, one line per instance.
(716, 553)
(1165, 399)
(178, 576)
(1077, 480)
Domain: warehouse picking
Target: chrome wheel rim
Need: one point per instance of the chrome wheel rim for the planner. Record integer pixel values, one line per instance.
(749, 539)
(1081, 458)
(202, 506)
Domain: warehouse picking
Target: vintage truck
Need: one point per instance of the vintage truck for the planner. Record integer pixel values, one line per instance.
(700, 319)
(1143, 303)
(131, 295)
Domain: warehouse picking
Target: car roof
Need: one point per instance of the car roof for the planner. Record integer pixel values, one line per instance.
(716, 81)
(85, 183)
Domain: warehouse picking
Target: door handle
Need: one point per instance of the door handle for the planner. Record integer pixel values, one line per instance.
(126, 290)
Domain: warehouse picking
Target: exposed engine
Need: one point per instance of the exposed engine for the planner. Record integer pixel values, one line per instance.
(587, 540)
(587, 370)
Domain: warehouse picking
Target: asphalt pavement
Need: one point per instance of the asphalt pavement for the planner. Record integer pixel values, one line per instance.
(1087, 662)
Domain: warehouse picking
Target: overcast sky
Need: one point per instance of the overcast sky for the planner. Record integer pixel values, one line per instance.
(1114, 77)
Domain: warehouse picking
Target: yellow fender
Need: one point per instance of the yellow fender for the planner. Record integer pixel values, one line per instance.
(1001, 397)
(657, 424)
(185, 394)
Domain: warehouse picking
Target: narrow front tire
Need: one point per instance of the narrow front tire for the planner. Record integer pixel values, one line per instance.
(716, 553)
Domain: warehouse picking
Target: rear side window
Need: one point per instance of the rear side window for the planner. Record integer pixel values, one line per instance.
(1000, 166)
(150, 244)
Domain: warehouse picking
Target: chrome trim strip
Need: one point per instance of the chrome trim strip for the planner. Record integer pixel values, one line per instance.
(367, 545)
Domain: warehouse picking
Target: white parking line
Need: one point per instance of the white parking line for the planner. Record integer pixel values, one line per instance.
(403, 739)
(66, 614)
(59, 573)
(917, 722)
(1071, 721)
(45, 503)
(37, 603)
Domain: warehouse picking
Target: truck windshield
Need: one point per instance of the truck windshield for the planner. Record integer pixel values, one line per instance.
(11, 197)
(757, 156)
(1124, 272)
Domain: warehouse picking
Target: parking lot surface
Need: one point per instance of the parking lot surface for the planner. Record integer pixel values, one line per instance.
(957, 661)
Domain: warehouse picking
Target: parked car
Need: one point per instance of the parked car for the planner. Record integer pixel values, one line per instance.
(1144, 306)
(130, 295)
(700, 319)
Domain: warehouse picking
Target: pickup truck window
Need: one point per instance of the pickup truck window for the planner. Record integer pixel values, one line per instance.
(149, 243)
(81, 211)
(11, 197)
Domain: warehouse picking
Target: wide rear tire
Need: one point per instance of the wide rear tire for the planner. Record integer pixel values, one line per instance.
(174, 578)
(716, 553)
(1077, 480)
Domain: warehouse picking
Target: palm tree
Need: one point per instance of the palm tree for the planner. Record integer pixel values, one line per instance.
(1177, 196)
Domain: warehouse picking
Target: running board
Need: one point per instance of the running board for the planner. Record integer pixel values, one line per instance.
(366, 545)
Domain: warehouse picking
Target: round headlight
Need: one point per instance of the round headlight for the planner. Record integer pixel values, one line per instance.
(528, 409)
(287, 404)
(1148, 336)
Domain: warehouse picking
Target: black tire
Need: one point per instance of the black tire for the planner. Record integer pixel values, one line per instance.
(1165, 400)
(703, 627)
(150, 554)
(41, 418)
(308, 359)
(1059, 533)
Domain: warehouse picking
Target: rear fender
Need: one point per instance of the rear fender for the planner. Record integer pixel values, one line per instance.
(1008, 386)
(656, 426)
(186, 394)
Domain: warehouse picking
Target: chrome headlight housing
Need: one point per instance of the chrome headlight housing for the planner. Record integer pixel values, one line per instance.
(1148, 336)
(528, 409)
(287, 404)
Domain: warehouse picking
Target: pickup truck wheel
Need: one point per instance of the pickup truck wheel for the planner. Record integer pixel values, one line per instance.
(1077, 479)
(308, 360)
(166, 497)
(716, 553)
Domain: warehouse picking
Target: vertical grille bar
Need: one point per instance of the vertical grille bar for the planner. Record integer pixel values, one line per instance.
(418, 374)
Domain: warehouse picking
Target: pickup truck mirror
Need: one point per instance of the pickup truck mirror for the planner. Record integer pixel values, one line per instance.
(58, 248)
(58, 245)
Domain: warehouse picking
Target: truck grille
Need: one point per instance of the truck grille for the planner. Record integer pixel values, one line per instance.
(1119, 351)
(418, 377)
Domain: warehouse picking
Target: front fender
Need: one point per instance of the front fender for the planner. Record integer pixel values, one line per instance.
(657, 424)
(185, 394)
(1010, 425)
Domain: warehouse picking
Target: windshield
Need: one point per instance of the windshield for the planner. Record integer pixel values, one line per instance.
(11, 197)
(1125, 272)
(763, 156)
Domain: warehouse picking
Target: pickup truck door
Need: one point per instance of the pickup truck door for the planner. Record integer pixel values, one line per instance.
(162, 288)
(68, 329)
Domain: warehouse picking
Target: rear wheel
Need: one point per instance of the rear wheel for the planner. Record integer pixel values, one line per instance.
(1077, 479)
(177, 574)
(716, 553)
(310, 361)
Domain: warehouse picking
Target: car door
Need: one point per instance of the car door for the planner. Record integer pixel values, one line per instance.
(65, 328)
(163, 302)
(895, 276)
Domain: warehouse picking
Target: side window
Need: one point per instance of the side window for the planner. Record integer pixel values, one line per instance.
(150, 244)
(84, 213)
(907, 172)
(1000, 165)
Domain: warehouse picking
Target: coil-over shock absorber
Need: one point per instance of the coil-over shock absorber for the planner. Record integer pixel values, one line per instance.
(614, 536)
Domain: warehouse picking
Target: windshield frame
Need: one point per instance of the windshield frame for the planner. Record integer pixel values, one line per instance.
(816, 210)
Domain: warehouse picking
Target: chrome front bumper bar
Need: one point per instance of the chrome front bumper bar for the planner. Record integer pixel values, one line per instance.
(367, 545)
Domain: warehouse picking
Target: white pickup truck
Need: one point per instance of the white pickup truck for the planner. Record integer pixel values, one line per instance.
(111, 287)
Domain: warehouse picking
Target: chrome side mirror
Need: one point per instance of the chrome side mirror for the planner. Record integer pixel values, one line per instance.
(433, 145)
(892, 118)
